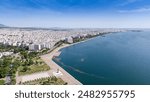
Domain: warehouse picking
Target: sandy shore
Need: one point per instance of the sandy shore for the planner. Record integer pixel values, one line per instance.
(54, 67)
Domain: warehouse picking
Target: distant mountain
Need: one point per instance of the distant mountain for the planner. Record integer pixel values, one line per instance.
(1, 25)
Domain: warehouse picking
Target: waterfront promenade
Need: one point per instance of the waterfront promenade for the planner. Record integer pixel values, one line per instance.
(54, 67)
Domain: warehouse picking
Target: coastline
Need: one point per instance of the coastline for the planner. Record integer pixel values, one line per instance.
(48, 59)
(54, 67)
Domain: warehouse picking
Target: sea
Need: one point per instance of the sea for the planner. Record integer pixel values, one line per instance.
(113, 59)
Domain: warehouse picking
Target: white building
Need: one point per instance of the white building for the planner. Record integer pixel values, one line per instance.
(1, 55)
(36, 47)
(69, 40)
(32, 47)
(7, 53)
(14, 44)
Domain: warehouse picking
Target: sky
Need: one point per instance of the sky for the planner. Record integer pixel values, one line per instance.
(76, 13)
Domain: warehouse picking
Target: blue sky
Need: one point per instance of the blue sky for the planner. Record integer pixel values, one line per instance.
(76, 13)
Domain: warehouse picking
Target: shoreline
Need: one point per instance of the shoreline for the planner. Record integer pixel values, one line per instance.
(66, 76)
(48, 59)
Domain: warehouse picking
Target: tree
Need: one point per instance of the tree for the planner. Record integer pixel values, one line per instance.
(53, 78)
(30, 62)
(24, 54)
(3, 72)
(24, 69)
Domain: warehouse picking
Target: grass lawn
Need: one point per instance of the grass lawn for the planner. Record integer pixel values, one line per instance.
(2, 82)
(41, 66)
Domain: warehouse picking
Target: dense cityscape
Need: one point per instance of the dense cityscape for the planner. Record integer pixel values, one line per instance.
(37, 39)
(21, 48)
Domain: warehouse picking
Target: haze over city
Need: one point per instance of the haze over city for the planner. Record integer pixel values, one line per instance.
(75, 13)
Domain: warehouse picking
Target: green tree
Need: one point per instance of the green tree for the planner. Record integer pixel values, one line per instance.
(53, 78)
(24, 69)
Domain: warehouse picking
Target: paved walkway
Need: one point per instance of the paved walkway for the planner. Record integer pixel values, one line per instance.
(33, 76)
(54, 67)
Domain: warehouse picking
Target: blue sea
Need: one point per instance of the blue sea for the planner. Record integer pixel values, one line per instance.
(113, 59)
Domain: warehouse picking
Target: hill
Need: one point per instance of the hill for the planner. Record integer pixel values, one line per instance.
(1, 25)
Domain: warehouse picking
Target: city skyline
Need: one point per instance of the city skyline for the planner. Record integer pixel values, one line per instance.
(76, 13)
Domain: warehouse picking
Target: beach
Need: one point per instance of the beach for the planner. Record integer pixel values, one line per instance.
(54, 67)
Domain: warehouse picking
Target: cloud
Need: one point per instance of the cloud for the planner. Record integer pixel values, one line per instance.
(126, 2)
(140, 10)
